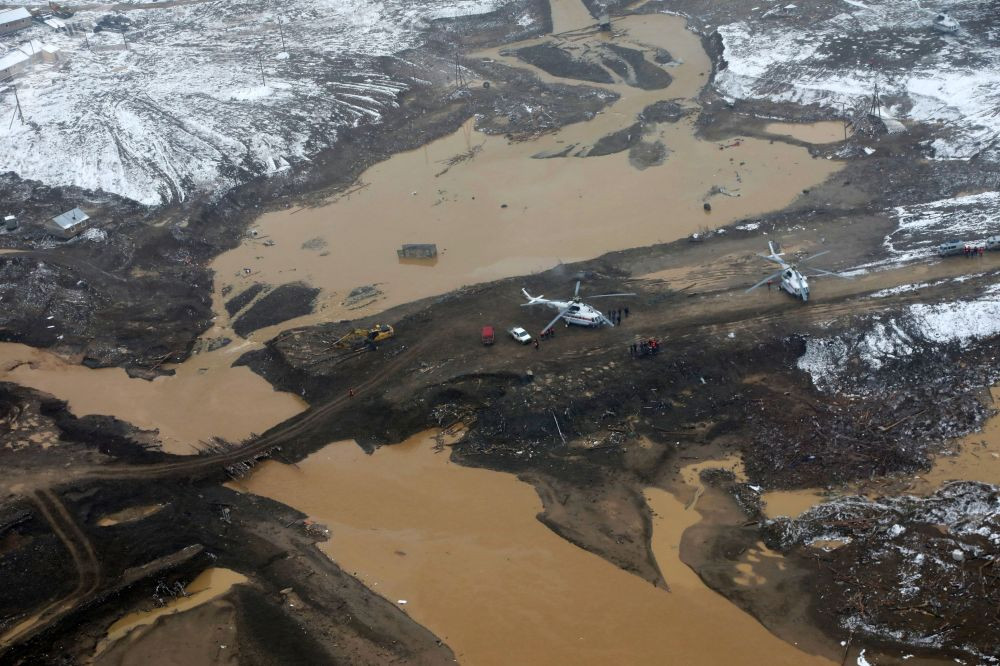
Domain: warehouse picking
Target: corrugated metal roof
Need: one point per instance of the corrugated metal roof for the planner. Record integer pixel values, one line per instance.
(70, 218)
(11, 15)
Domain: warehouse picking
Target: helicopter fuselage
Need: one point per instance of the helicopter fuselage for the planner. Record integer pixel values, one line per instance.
(795, 283)
(577, 313)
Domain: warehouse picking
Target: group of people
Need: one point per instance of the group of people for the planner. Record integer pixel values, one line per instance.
(616, 315)
(547, 334)
(645, 347)
(973, 251)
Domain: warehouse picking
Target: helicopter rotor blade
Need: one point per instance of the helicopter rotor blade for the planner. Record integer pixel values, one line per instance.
(818, 254)
(765, 280)
(576, 292)
(823, 272)
(608, 295)
(553, 322)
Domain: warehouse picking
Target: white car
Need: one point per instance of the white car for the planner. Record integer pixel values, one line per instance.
(520, 335)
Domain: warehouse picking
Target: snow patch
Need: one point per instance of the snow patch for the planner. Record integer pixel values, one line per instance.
(828, 360)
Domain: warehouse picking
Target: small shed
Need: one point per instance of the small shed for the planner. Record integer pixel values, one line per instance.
(49, 53)
(70, 223)
(12, 20)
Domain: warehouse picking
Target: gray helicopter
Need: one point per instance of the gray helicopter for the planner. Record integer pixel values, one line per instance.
(794, 281)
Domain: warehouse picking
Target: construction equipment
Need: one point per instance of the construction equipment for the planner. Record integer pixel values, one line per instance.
(365, 337)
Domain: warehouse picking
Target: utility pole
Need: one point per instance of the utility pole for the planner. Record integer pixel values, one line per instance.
(459, 76)
(124, 41)
(18, 113)
(17, 99)
(260, 61)
(281, 31)
(876, 106)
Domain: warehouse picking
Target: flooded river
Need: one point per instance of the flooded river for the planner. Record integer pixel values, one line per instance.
(205, 398)
(503, 213)
(461, 551)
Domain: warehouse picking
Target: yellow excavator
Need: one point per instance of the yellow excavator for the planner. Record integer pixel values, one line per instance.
(362, 337)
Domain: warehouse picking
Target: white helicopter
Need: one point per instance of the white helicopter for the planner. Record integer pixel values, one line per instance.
(793, 281)
(573, 311)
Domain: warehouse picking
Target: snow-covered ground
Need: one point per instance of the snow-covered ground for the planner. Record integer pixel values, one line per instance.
(186, 107)
(920, 228)
(921, 326)
(831, 53)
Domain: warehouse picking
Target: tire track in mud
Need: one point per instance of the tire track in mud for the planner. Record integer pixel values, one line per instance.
(88, 570)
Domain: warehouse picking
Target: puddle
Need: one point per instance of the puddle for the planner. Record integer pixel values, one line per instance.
(828, 131)
(210, 584)
(828, 544)
(790, 503)
(205, 398)
(128, 515)
(463, 548)
(502, 213)
(978, 457)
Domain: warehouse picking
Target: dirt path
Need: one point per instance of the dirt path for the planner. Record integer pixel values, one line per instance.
(88, 569)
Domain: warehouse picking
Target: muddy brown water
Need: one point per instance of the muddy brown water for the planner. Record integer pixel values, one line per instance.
(206, 398)
(502, 213)
(459, 549)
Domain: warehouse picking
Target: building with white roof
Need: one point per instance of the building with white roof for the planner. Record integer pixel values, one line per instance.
(12, 62)
(70, 223)
(12, 20)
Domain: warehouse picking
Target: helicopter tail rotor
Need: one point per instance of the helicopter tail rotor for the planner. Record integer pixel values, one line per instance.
(533, 300)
